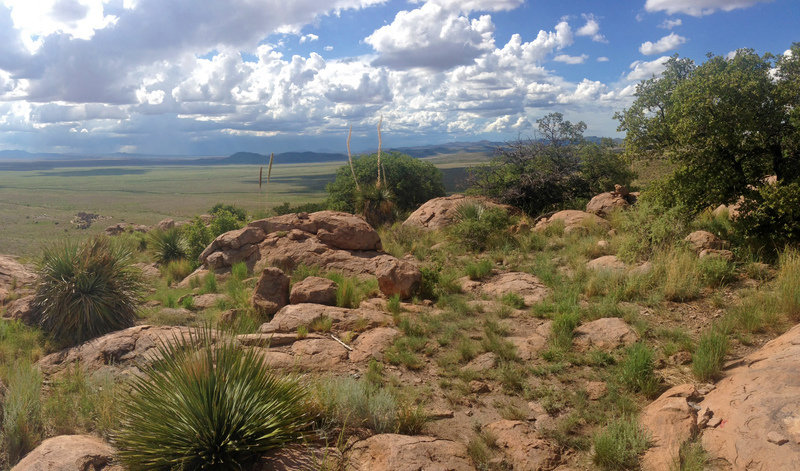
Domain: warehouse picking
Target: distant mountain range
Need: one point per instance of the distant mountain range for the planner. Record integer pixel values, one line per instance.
(20, 160)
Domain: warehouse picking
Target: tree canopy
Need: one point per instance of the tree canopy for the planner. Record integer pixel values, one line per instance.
(726, 124)
(558, 167)
(410, 181)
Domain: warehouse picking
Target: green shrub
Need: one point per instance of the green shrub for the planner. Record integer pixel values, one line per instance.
(285, 208)
(198, 236)
(208, 404)
(771, 215)
(636, 371)
(176, 270)
(393, 305)
(477, 225)
(618, 446)
(647, 228)
(344, 401)
(239, 271)
(513, 300)
(237, 213)
(709, 356)
(563, 328)
(715, 271)
(350, 290)
(86, 290)
(224, 222)
(22, 424)
(167, 246)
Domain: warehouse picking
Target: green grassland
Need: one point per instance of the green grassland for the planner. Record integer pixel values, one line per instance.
(36, 207)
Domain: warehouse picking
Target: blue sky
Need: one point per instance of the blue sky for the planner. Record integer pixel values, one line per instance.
(170, 77)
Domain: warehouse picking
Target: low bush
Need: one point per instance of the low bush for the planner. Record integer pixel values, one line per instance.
(208, 404)
(771, 216)
(480, 269)
(646, 229)
(476, 225)
(347, 402)
(86, 290)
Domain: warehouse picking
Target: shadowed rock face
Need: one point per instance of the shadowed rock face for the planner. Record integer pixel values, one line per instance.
(327, 239)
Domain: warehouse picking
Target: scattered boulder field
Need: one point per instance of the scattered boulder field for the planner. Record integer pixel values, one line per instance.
(749, 419)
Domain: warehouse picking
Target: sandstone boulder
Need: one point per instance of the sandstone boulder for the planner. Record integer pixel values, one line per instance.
(20, 309)
(671, 420)
(574, 221)
(290, 317)
(335, 229)
(606, 203)
(607, 263)
(70, 453)
(391, 452)
(118, 353)
(529, 287)
(724, 254)
(756, 399)
(165, 224)
(604, 334)
(702, 240)
(523, 447)
(398, 277)
(372, 344)
(272, 291)
(441, 212)
(13, 276)
(315, 290)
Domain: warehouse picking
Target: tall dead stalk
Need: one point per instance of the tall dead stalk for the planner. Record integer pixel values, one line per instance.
(380, 143)
(350, 158)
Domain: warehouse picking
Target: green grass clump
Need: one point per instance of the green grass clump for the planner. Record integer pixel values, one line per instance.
(167, 246)
(239, 271)
(210, 282)
(480, 269)
(682, 277)
(788, 283)
(208, 404)
(350, 291)
(176, 270)
(563, 328)
(393, 305)
(709, 356)
(86, 290)
(22, 423)
(347, 402)
(716, 271)
(636, 371)
(618, 446)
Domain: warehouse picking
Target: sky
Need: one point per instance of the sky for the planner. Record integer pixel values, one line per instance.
(213, 77)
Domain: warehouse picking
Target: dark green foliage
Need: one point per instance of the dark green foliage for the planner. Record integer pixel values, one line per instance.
(86, 290)
(771, 216)
(224, 221)
(237, 213)
(411, 181)
(208, 404)
(197, 237)
(285, 208)
(725, 124)
(376, 204)
(168, 245)
(551, 172)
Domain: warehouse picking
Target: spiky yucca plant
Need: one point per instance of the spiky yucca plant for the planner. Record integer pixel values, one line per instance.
(208, 404)
(375, 203)
(168, 245)
(86, 290)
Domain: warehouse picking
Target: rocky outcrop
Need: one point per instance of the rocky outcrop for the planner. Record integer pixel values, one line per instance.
(391, 452)
(606, 203)
(330, 240)
(574, 221)
(373, 343)
(604, 334)
(290, 317)
(166, 224)
(439, 213)
(70, 453)
(20, 309)
(118, 353)
(121, 227)
(314, 290)
(529, 287)
(670, 420)
(703, 240)
(606, 263)
(755, 414)
(13, 276)
(523, 448)
(272, 291)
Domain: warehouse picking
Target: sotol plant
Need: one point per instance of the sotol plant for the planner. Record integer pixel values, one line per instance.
(86, 290)
(208, 404)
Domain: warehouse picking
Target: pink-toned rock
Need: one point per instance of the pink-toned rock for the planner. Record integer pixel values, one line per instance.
(757, 397)
(483, 362)
(272, 291)
(523, 448)
(315, 290)
(607, 263)
(441, 212)
(290, 317)
(596, 389)
(70, 453)
(165, 224)
(372, 344)
(13, 276)
(671, 421)
(529, 347)
(724, 254)
(20, 309)
(604, 334)
(234, 239)
(529, 287)
(319, 354)
(209, 300)
(391, 452)
(300, 458)
(398, 278)
(118, 353)
(606, 203)
(149, 270)
(573, 221)
(335, 229)
(702, 240)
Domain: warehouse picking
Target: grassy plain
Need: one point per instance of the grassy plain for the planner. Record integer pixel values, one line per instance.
(36, 207)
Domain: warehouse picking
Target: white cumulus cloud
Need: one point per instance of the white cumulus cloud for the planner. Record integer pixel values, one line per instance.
(591, 29)
(669, 24)
(567, 59)
(645, 70)
(667, 43)
(698, 7)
